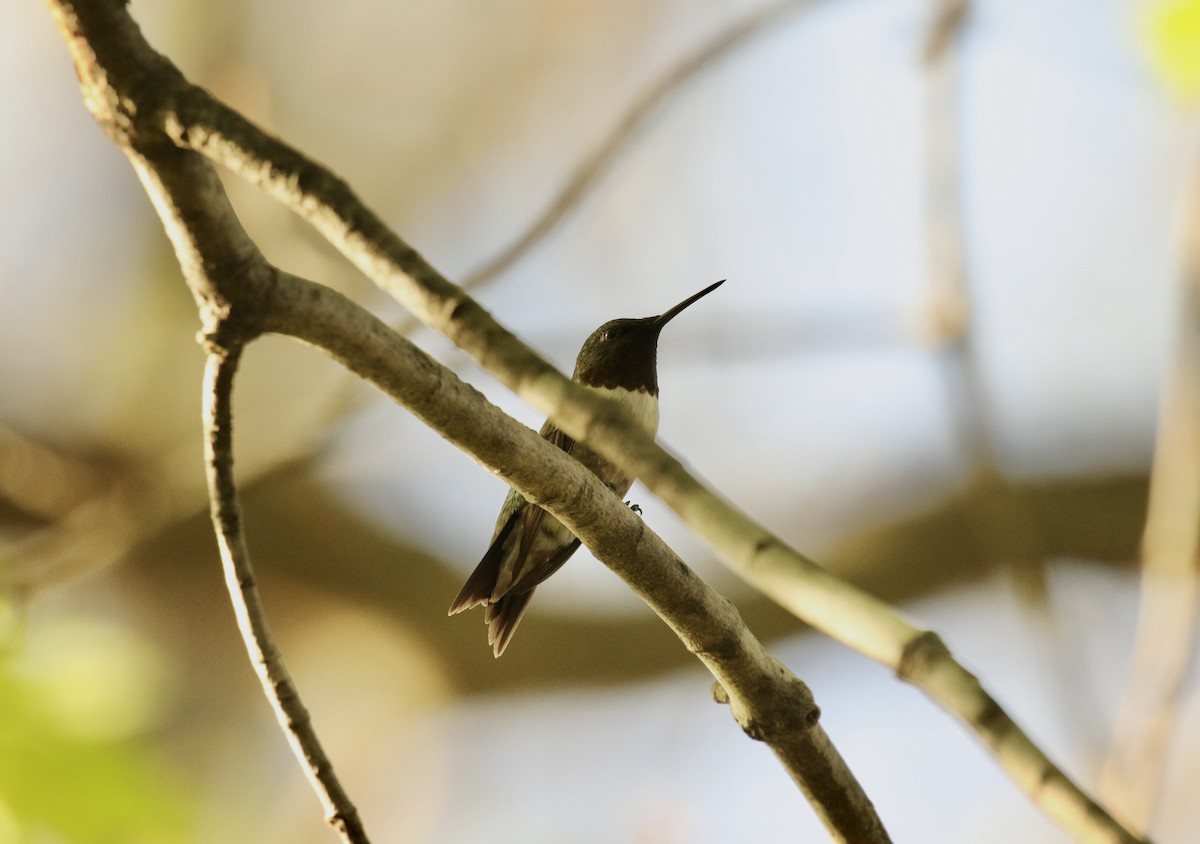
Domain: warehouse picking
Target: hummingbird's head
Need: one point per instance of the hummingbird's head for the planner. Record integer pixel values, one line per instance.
(624, 352)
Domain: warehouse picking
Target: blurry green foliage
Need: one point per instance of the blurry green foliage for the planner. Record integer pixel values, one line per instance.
(78, 700)
(1171, 30)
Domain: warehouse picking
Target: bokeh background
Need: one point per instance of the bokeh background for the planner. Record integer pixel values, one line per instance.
(956, 352)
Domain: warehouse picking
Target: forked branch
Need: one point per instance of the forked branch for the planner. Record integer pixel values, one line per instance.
(241, 296)
(141, 98)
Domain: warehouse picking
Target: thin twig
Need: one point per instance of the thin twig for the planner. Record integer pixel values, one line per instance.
(595, 165)
(199, 221)
(1149, 708)
(997, 518)
(277, 684)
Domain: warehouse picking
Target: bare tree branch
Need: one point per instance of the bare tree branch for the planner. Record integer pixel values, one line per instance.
(767, 700)
(589, 171)
(215, 256)
(136, 94)
(240, 295)
(793, 580)
(293, 717)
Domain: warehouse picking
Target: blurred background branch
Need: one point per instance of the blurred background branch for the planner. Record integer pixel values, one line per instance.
(1002, 528)
(1148, 720)
(729, 39)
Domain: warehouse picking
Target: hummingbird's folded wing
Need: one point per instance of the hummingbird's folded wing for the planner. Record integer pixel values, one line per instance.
(527, 520)
(532, 517)
(478, 588)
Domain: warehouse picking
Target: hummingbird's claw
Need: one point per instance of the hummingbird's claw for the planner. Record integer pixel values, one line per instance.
(637, 508)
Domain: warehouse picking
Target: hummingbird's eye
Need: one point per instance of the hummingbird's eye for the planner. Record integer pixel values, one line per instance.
(611, 334)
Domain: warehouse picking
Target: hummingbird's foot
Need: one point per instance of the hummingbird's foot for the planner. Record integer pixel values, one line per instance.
(637, 508)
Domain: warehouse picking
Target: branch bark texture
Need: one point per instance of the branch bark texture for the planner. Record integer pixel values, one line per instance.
(340, 812)
(241, 296)
(156, 117)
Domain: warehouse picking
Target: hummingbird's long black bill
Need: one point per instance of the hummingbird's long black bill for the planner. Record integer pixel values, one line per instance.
(663, 319)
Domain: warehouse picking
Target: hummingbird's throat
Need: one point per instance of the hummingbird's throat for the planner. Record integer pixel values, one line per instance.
(641, 405)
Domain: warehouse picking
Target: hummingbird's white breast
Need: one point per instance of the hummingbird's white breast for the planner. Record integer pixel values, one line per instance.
(641, 405)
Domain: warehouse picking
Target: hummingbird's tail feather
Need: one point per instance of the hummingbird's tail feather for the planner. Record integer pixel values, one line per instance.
(502, 618)
(503, 614)
(478, 588)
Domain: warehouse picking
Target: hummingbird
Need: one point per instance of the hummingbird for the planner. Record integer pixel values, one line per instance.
(620, 361)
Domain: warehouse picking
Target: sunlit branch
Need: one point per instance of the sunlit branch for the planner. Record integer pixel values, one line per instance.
(277, 684)
(791, 579)
(767, 700)
(137, 95)
(240, 295)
